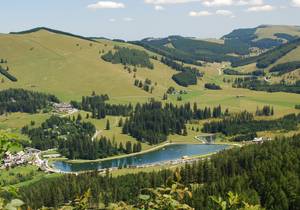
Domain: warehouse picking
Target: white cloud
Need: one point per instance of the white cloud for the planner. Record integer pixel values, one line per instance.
(296, 3)
(112, 20)
(225, 13)
(128, 19)
(160, 2)
(218, 3)
(106, 5)
(263, 8)
(250, 2)
(199, 14)
(159, 8)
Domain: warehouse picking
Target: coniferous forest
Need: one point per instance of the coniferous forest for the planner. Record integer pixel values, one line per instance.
(73, 138)
(266, 174)
(127, 56)
(20, 100)
(96, 104)
(152, 122)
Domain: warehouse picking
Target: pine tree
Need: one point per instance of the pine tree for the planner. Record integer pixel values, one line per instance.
(107, 125)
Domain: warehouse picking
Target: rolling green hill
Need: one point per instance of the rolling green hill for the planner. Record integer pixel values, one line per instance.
(70, 66)
(264, 36)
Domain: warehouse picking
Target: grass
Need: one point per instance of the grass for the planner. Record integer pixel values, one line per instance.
(70, 68)
(268, 32)
(20, 174)
(15, 121)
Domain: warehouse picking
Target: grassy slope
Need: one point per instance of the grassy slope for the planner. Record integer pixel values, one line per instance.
(54, 63)
(268, 32)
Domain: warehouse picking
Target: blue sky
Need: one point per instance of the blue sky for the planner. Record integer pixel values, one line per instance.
(136, 19)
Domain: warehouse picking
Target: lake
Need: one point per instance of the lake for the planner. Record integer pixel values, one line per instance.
(165, 154)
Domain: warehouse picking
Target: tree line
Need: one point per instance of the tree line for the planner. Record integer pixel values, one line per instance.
(253, 83)
(285, 67)
(266, 174)
(5, 72)
(253, 73)
(244, 123)
(99, 109)
(20, 100)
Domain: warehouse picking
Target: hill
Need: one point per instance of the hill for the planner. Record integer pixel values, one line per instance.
(192, 50)
(265, 36)
(70, 66)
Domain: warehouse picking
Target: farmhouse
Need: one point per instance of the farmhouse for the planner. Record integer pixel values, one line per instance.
(64, 107)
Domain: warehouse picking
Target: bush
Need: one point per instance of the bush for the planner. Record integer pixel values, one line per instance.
(212, 86)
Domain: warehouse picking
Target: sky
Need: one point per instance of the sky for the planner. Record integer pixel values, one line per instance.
(137, 19)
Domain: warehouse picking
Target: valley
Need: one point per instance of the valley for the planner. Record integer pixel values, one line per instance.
(104, 112)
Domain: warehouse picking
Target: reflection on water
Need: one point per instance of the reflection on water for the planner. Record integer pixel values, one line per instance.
(167, 153)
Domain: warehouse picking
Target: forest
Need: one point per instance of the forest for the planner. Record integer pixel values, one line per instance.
(152, 122)
(285, 67)
(20, 100)
(253, 83)
(244, 123)
(185, 78)
(253, 73)
(180, 67)
(269, 57)
(73, 138)
(96, 104)
(127, 56)
(265, 174)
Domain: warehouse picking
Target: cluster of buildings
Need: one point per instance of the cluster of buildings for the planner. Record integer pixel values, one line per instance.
(12, 160)
(64, 108)
(28, 156)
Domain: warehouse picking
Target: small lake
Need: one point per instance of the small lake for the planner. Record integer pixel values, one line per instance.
(165, 154)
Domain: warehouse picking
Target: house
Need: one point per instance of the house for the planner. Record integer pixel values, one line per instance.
(64, 107)
(258, 140)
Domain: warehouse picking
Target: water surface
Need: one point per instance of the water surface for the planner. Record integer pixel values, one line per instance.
(165, 154)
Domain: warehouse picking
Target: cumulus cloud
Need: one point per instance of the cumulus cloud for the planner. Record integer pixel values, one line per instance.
(225, 13)
(160, 2)
(296, 3)
(262, 8)
(159, 8)
(199, 14)
(106, 5)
